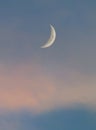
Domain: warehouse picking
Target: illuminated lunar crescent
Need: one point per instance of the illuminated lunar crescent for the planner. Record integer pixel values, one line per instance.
(51, 39)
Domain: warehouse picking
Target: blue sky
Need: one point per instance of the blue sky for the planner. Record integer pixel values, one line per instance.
(75, 23)
(39, 88)
(67, 119)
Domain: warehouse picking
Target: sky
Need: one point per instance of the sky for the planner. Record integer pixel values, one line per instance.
(52, 88)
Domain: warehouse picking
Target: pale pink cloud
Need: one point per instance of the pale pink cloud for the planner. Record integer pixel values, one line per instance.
(27, 86)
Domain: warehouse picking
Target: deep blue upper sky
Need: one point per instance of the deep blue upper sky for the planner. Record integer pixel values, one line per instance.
(26, 23)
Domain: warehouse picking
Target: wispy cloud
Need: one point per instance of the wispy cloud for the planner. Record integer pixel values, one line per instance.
(27, 86)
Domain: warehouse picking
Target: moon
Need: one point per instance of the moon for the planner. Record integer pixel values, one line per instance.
(51, 38)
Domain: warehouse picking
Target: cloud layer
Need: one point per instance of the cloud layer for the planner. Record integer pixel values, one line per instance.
(27, 86)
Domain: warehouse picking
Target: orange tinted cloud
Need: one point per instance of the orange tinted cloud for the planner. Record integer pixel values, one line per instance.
(27, 86)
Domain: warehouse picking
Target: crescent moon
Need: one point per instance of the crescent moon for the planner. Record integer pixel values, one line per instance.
(51, 39)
